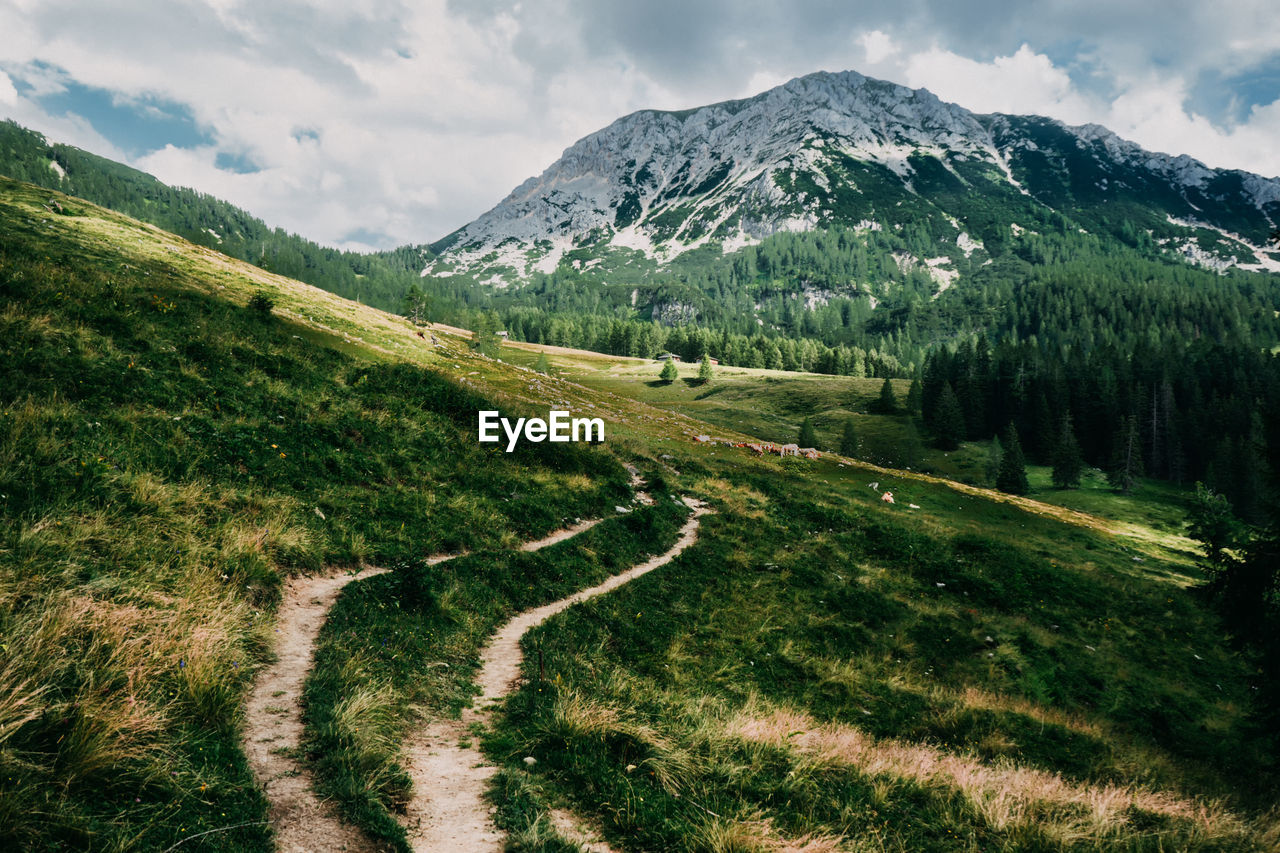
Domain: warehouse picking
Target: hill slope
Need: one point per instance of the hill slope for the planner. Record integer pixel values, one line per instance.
(167, 455)
(379, 279)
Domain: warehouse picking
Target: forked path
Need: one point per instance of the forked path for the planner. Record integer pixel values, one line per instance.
(448, 812)
(273, 712)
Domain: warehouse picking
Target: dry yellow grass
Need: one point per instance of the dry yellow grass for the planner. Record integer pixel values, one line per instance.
(740, 499)
(577, 717)
(1005, 794)
(756, 834)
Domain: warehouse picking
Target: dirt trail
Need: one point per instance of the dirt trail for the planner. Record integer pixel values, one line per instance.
(448, 811)
(273, 719)
(560, 535)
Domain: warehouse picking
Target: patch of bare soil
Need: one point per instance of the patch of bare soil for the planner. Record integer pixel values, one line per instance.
(273, 722)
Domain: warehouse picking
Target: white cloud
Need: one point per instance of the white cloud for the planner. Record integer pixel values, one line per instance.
(877, 46)
(8, 94)
(1148, 109)
(1153, 115)
(1023, 82)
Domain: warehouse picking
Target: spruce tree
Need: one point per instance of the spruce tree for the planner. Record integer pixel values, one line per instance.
(415, 305)
(1040, 431)
(808, 436)
(1068, 464)
(849, 439)
(1211, 521)
(542, 365)
(915, 395)
(948, 422)
(704, 369)
(485, 339)
(886, 403)
(1012, 477)
(1126, 457)
(669, 371)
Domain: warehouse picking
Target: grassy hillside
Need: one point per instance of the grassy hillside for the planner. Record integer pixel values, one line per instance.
(971, 672)
(772, 404)
(961, 675)
(379, 279)
(167, 454)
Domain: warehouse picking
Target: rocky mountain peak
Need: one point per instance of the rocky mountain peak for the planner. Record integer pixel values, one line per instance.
(824, 149)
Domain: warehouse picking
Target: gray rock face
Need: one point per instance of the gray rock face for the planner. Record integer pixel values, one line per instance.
(735, 172)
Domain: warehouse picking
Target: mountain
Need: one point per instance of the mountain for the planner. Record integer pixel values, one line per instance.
(841, 149)
(835, 224)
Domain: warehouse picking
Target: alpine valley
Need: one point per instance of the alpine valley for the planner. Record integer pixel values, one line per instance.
(963, 534)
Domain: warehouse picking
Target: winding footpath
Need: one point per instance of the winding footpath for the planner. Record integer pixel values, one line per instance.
(273, 719)
(448, 811)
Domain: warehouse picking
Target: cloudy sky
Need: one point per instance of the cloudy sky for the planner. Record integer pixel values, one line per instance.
(375, 123)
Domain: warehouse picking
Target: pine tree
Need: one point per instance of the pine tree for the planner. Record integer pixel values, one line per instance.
(994, 455)
(849, 439)
(1211, 521)
(542, 365)
(1040, 431)
(915, 395)
(485, 339)
(1250, 589)
(704, 369)
(948, 422)
(669, 371)
(886, 403)
(1068, 464)
(415, 305)
(1126, 457)
(1013, 466)
(808, 436)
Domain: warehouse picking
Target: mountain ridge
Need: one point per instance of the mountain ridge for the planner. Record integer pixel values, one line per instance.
(738, 171)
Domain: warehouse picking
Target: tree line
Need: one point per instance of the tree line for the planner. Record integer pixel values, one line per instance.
(1184, 411)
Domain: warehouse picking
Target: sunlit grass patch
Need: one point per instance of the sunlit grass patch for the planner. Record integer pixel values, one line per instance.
(1005, 795)
(756, 834)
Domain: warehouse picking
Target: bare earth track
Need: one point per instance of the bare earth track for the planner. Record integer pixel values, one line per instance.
(448, 811)
(273, 722)
(273, 719)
